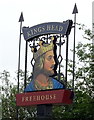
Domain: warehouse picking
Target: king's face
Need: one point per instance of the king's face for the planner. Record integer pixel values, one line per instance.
(49, 61)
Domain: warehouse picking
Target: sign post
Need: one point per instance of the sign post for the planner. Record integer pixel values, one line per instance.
(75, 11)
(21, 19)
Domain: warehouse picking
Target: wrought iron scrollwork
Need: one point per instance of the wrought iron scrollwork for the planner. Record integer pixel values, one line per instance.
(60, 58)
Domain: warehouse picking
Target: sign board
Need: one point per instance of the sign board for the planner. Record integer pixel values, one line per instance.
(47, 28)
(60, 96)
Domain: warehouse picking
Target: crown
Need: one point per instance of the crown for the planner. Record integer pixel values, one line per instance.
(44, 47)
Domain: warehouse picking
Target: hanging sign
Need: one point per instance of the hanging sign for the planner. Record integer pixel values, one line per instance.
(47, 28)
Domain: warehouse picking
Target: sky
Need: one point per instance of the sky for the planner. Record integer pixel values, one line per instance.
(34, 12)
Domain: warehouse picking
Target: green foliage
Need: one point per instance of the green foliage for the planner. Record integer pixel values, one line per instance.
(84, 74)
(9, 91)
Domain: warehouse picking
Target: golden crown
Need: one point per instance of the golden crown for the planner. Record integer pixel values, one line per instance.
(43, 48)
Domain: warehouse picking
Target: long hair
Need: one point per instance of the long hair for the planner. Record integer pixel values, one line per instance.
(38, 66)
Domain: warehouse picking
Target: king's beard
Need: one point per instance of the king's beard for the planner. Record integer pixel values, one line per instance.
(47, 73)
